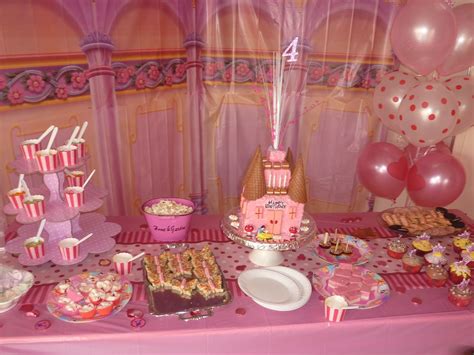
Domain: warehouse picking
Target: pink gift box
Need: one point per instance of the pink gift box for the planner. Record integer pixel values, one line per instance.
(37, 251)
(74, 196)
(47, 162)
(34, 206)
(68, 156)
(16, 197)
(29, 148)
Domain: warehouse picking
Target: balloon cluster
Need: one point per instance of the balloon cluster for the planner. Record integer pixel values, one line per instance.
(426, 36)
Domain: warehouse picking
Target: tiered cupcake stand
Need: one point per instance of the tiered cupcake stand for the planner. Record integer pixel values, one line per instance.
(267, 253)
(62, 221)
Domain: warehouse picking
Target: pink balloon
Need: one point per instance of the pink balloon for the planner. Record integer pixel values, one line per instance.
(436, 179)
(411, 151)
(427, 114)
(463, 89)
(423, 34)
(388, 96)
(382, 169)
(462, 55)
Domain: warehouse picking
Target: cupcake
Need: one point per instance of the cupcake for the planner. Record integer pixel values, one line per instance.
(437, 275)
(70, 309)
(460, 295)
(113, 298)
(437, 257)
(459, 271)
(412, 262)
(87, 311)
(468, 255)
(104, 308)
(96, 296)
(396, 248)
(461, 241)
(422, 244)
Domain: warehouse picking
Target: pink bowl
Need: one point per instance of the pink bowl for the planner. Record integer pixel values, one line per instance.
(168, 228)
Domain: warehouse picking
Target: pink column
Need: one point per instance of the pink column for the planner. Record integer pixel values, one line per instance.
(193, 45)
(98, 49)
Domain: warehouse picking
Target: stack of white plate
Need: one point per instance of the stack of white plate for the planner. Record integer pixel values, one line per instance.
(278, 288)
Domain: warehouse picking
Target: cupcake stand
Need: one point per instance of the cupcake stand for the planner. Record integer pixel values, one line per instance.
(268, 253)
(62, 221)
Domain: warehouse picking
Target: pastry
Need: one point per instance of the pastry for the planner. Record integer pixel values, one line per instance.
(460, 295)
(459, 271)
(422, 244)
(412, 262)
(396, 248)
(437, 275)
(437, 255)
(461, 241)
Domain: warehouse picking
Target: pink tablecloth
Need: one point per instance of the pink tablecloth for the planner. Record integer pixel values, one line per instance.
(416, 319)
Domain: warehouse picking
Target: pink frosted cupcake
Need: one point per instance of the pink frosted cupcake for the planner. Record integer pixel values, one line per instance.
(396, 249)
(459, 271)
(437, 275)
(105, 308)
(461, 241)
(461, 295)
(412, 262)
(437, 257)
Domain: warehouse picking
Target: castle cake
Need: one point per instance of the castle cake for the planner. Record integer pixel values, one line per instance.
(273, 197)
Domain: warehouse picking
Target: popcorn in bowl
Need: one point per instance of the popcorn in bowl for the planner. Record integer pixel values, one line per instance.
(13, 285)
(168, 208)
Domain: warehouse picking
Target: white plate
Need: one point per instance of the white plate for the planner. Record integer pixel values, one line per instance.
(269, 286)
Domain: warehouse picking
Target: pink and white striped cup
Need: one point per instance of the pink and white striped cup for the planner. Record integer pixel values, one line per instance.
(16, 197)
(335, 308)
(69, 248)
(122, 263)
(81, 147)
(68, 155)
(47, 160)
(29, 148)
(34, 247)
(74, 196)
(34, 206)
(75, 178)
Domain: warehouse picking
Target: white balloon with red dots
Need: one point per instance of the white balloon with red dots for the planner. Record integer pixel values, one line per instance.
(388, 96)
(427, 114)
(463, 89)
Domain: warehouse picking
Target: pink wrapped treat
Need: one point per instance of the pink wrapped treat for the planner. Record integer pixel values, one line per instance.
(29, 148)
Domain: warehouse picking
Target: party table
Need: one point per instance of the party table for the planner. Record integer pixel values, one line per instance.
(416, 319)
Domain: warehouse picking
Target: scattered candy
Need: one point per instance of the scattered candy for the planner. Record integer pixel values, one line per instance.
(416, 300)
(137, 323)
(42, 324)
(134, 313)
(240, 311)
(34, 313)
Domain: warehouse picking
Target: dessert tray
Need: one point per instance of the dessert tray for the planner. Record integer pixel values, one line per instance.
(111, 286)
(267, 253)
(183, 288)
(437, 222)
(361, 252)
(13, 285)
(360, 287)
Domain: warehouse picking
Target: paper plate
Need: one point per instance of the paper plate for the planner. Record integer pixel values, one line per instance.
(56, 310)
(361, 253)
(324, 274)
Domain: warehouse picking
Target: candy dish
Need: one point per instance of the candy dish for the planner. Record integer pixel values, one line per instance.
(13, 285)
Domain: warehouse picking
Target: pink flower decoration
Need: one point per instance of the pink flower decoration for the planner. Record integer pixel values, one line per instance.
(334, 79)
(35, 83)
(78, 80)
(210, 69)
(123, 75)
(3, 82)
(424, 236)
(242, 70)
(131, 70)
(169, 79)
(16, 95)
(61, 91)
(228, 75)
(180, 70)
(140, 81)
(153, 72)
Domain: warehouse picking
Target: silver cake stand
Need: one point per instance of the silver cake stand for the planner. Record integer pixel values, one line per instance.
(267, 253)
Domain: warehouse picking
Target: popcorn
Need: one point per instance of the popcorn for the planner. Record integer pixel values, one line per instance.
(168, 208)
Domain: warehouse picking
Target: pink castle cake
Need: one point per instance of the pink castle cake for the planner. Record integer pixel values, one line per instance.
(273, 196)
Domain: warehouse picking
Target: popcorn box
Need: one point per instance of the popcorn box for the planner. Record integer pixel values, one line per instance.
(29, 148)
(168, 228)
(16, 197)
(81, 147)
(47, 160)
(34, 247)
(68, 155)
(122, 263)
(334, 308)
(74, 196)
(34, 206)
(75, 178)
(69, 248)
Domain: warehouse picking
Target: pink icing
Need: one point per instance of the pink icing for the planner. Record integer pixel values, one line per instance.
(158, 269)
(208, 275)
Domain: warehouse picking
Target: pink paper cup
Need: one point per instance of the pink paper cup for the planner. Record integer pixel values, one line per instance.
(68, 155)
(16, 197)
(34, 247)
(75, 178)
(74, 196)
(122, 263)
(29, 148)
(335, 308)
(34, 206)
(81, 147)
(69, 248)
(47, 160)
(168, 228)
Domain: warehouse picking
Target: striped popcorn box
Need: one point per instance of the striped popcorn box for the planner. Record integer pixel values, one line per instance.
(29, 148)
(74, 196)
(69, 248)
(68, 155)
(75, 178)
(47, 160)
(16, 197)
(335, 308)
(122, 263)
(34, 206)
(34, 247)
(81, 147)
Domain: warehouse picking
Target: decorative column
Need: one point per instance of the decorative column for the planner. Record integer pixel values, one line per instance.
(98, 49)
(193, 45)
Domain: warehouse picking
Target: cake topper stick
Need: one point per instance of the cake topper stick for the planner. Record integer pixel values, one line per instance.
(20, 180)
(88, 179)
(83, 129)
(52, 138)
(73, 135)
(45, 133)
(137, 256)
(41, 227)
(85, 238)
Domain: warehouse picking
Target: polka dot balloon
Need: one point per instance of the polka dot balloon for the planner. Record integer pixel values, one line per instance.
(463, 89)
(428, 113)
(388, 96)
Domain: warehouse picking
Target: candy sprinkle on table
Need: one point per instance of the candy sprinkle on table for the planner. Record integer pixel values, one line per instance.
(137, 323)
(416, 300)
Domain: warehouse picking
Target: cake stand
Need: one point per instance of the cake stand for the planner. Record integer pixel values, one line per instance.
(268, 253)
